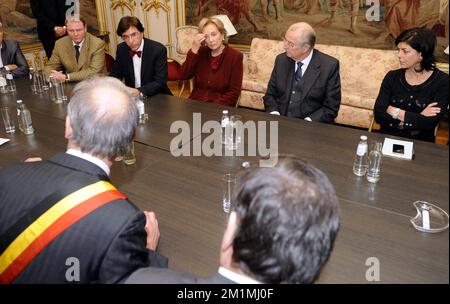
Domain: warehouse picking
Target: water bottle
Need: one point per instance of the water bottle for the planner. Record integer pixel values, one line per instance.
(24, 118)
(3, 83)
(360, 164)
(141, 108)
(224, 122)
(10, 82)
(375, 157)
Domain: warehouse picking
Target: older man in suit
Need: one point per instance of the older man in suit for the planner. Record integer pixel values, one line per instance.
(61, 220)
(305, 82)
(140, 61)
(11, 57)
(78, 55)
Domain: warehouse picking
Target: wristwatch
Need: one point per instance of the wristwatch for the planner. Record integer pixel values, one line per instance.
(396, 113)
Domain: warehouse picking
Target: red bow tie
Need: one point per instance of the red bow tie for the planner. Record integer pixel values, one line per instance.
(138, 53)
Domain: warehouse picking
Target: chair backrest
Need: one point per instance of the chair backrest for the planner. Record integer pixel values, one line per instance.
(109, 62)
(185, 35)
(173, 69)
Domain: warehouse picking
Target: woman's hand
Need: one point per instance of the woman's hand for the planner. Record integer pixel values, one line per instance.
(197, 43)
(431, 110)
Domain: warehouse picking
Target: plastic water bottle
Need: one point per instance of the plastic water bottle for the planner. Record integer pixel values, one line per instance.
(224, 122)
(360, 164)
(24, 118)
(375, 157)
(10, 82)
(141, 108)
(3, 83)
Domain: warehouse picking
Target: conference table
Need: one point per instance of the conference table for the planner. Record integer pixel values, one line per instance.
(376, 242)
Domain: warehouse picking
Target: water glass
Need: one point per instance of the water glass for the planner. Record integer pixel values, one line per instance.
(36, 82)
(43, 80)
(233, 133)
(229, 182)
(56, 91)
(130, 157)
(8, 121)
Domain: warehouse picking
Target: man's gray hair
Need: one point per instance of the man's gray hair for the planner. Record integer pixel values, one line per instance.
(103, 116)
(308, 35)
(75, 18)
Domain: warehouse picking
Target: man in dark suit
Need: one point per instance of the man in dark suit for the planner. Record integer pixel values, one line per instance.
(61, 220)
(140, 61)
(281, 229)
(11, 57)
(50, 16)
(305, 83)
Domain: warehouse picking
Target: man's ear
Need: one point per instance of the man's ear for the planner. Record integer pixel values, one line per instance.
(68, 130)
(226, 249)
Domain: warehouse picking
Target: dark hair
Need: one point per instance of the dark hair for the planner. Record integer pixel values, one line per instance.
(288, 218)
(423, 41)
(126, 22)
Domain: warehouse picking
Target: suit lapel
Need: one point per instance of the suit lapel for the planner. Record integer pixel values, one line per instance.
(289, 68)
(129, 67)
(69, 55)
(4, 53)
(311, 75)
(84, 52)
(146, 49)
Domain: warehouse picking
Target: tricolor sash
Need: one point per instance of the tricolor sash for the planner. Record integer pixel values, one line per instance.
(31, 240)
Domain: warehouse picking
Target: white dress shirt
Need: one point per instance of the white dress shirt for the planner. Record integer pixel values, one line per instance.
(1, 61)
(236, 277)
(90, 158)
(137, 63)
(79, 44)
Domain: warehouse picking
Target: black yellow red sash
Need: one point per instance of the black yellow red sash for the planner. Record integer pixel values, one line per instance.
(32, 240)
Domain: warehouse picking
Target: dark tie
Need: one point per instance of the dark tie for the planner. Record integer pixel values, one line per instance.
(77, 52)
(298, 73)
(138, 53)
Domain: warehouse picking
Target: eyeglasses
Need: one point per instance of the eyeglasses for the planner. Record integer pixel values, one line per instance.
(131, 36)
(75, 31)
(288, 43)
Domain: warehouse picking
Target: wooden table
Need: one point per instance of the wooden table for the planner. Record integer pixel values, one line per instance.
(185, 192)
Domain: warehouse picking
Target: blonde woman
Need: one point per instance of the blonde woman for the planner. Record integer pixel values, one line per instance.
(216, 68)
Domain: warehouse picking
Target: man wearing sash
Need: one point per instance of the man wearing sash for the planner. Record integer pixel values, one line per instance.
(61, 220)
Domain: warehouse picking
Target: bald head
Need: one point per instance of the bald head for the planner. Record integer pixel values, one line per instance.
(304, 33)
(102, 116)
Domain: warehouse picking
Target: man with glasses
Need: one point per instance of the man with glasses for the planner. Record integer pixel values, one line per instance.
(77, 56)
(305, 82)
(140, 61)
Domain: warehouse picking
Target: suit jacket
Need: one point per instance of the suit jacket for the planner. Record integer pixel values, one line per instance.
(153, 70)
(48, 14)
(12, 54)
(221, 86)
(90, 62)
(321, 87)
(152, 275)
(109, 242)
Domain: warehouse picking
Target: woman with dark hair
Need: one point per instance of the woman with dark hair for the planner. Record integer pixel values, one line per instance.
(217, 68)
(413, 99)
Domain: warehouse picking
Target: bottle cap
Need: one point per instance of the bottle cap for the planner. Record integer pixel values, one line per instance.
(363, 137)
(225, 111)
(19, 101)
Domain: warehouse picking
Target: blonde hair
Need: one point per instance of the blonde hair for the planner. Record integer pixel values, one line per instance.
(215, 21)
